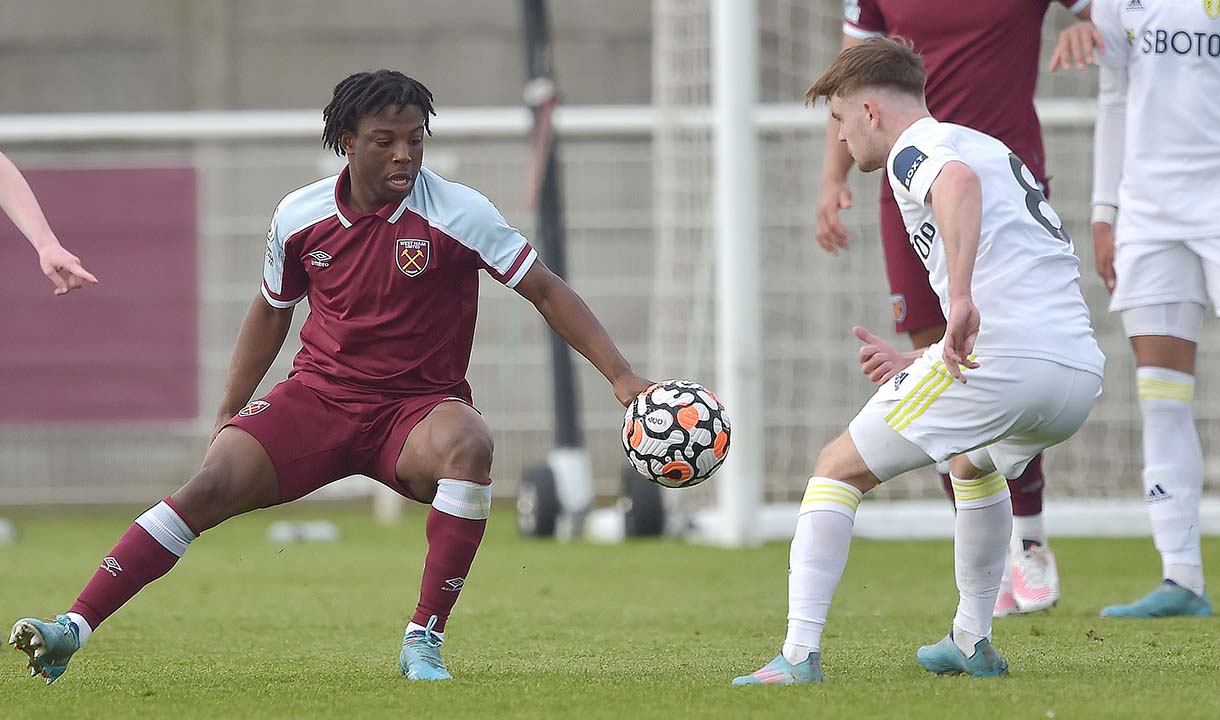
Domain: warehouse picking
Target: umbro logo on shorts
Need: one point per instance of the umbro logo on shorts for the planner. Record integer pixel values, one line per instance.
(254, 408)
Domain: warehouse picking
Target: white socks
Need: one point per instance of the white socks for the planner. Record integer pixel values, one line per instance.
(981, 534)
(816, 561)
(1173, 472)
(1028, 527)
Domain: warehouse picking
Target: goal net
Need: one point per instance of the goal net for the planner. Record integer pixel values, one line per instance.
(810, 300)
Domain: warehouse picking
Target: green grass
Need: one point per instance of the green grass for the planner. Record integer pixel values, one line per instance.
(245, 628)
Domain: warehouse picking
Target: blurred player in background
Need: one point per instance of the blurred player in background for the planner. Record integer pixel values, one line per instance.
(982, 64)
(1018, 369)
(1156, 238)
(388, 254)
(61, 267)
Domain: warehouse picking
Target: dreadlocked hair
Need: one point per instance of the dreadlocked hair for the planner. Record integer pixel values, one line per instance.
(366, 93)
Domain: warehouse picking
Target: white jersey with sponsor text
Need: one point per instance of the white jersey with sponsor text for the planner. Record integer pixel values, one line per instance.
(1170, 50)
(1026, 276)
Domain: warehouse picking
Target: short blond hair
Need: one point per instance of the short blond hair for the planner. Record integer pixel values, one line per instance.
(876, 62)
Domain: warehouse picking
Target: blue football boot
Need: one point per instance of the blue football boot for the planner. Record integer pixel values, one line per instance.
(781, 672)
(49, 644)
(946, 658)
(1168, 600)
(420, 658)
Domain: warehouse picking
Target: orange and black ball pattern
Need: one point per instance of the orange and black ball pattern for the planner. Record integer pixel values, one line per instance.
(676, 433)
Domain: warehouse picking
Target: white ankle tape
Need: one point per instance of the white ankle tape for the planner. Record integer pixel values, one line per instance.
(462, 498)
(166, 527)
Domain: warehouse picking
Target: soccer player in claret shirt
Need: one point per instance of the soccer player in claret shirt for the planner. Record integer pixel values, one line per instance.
(982, 65)
(388, 253)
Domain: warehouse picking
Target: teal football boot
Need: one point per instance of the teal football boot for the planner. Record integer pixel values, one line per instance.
(49, 644)
(781, 672)
(1168, 600)
(946, 658)
(420, 658)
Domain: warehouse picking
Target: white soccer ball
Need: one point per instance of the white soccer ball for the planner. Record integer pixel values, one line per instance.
(676, 433)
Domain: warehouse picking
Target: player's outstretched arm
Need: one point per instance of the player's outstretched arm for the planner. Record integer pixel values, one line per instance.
(957, 204)
(569, 316)
(261, 337)
(61, 267)
(835, 194)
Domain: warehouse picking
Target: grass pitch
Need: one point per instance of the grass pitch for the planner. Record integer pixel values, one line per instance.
(250, 629)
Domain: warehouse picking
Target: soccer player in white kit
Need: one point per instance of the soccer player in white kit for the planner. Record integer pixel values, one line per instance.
(1156, 161)
(1017, 371)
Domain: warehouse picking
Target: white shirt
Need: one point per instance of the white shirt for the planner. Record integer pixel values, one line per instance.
(1168, 53)
(1026, 281)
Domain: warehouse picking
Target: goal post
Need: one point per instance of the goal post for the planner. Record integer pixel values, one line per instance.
(738, 318)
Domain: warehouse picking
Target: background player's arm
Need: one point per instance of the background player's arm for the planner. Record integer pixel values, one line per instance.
(261, 337)
(1109, 146)
(19, 203)
(569, 316)
(835, 196)
(1078, 43)
(957, 204)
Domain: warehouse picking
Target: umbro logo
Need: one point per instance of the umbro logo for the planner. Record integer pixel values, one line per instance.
(111, 566)
(1157, 494)
(454, 584)
(319, 258)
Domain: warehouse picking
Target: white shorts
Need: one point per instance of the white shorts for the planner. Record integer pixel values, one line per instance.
(1166, 273)
(1014, 407)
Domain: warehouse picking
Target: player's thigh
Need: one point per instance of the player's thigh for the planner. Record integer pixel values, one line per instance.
(1156, 273)
(237, 476)
(452, 441)
(1064, 400)
(916, 307)
(306, 436)
(841, 460)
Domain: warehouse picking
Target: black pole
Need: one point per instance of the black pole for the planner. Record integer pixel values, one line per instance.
(540, 95)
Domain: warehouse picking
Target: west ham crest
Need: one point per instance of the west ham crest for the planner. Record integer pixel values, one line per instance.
(412, 256)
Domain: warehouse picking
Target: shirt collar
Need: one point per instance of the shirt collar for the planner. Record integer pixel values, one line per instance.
(347, 216)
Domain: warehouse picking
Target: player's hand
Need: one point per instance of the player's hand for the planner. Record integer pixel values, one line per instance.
(1103, 254)
(628, 386)
(879, 360)
(63, 269)
(961, 330)
(836, 196)
(1078, 45)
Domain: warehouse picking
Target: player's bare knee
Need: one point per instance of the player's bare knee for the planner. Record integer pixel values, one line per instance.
(218, 492)
(961, 467)
(841, 461)
(468, 456)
